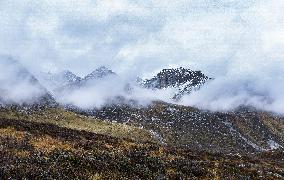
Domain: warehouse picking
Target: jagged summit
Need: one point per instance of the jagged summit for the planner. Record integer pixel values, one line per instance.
(64, 78)
(74, 82)
(175, 78)
(69, 76)
(99, 73)
(67, 79)
(185, 80)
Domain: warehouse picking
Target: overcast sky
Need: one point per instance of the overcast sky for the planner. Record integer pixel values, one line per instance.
(238, 42)
(143, 36)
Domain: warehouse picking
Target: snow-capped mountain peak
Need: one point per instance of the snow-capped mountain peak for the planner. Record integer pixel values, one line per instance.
(185, 80)
(57, 80)
(99, 73)
(68, 77)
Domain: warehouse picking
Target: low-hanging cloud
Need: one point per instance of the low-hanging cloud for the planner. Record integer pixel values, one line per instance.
(237, 42)
(110, 90)
(228, 93)
(17, 84)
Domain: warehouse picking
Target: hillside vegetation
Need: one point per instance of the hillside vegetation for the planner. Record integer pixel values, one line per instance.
(243, 130)
(30, 150)
(68, 119)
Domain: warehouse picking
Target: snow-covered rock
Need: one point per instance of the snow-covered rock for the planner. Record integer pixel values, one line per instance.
(184, 80)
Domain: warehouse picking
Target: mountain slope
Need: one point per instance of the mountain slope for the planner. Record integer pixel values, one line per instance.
(244, 130)
(67, 119)
(44, 151)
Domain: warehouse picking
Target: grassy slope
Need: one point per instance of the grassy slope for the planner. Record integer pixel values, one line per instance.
(44, 151)
(63, 118)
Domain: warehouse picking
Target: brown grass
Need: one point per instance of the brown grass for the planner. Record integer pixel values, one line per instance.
(67, 119)
(11, 132)
(22, 153)
(48, 144)
(42, 151)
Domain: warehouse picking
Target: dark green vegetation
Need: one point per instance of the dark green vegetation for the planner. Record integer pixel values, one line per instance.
(44, 151)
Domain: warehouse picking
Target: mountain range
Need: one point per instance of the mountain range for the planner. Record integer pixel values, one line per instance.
(243, 130)
(165, 133)
(183, 80)
(172, 123)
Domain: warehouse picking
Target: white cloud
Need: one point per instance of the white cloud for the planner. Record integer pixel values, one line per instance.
(224, 38)
(17, 85)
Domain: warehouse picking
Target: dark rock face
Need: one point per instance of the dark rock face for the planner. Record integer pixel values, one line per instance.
(185, 80)
(175, 77)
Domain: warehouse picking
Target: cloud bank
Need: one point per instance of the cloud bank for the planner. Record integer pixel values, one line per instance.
(112, 90)
(238, 42)
(17, 85)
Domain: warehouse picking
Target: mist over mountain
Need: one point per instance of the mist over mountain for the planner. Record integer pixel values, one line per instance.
(177, 85)
(142, 89)
(19, 86)
(57, 80)
(238, 43)
(103, 86)
(262, 91)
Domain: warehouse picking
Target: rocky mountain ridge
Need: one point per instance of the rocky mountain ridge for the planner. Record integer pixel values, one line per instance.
(99, 73)
(185, 80)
